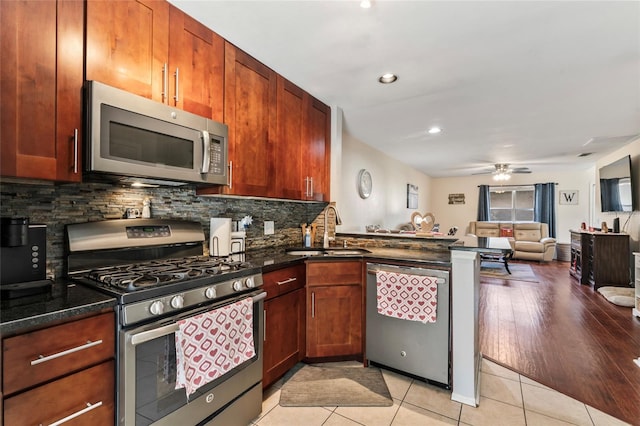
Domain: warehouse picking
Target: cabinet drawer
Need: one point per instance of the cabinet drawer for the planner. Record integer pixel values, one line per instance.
(42, 355)
(88, 394)
(345, 272)
(283, 280)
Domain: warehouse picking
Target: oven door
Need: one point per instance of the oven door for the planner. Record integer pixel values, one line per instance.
(147, 373)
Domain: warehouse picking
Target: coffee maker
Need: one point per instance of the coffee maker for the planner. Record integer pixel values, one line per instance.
(23, 257)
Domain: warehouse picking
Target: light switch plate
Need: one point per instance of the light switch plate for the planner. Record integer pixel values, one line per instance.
(269, 227)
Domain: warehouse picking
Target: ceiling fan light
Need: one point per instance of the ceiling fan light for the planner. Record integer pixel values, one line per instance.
(434, 130)
(501, 176)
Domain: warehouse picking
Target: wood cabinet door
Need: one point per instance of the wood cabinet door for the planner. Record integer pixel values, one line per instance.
(317, 150)
(284, 334)
(88, 394)
(290, 111)
(250, 94)
(128, 45)
(41, 117)
(334, 320)
(196, 67)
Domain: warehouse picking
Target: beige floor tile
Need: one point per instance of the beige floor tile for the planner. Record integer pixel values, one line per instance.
(554, 404)
(528, 381)
(432, 398)
(371, 416)
(410, 415)
(270, 399)
(337, 420)
(398, 384)
(295, 416)
(501, 389)
(498, 370)
(537, 419)
(492, 413)
(603, 419)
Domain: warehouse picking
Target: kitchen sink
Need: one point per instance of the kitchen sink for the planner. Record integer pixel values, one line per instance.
(327, 252)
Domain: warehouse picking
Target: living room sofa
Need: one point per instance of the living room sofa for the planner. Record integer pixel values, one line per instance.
(529, 240)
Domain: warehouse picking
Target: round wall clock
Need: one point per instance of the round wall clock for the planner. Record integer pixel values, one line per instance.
(364, 183)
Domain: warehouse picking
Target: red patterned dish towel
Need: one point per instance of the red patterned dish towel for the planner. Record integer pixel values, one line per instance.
(210, 344)
(408, 297)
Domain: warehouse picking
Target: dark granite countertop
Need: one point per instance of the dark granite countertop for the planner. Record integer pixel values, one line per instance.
(65, 301)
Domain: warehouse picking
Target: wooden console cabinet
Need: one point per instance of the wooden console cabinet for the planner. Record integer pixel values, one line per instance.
(599, 259)
(636, 309)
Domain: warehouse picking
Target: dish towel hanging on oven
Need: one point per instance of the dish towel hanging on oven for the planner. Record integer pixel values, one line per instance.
(406, 296)
(210, 344)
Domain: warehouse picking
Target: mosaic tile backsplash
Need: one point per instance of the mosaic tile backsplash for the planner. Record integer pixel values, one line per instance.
(59, 205)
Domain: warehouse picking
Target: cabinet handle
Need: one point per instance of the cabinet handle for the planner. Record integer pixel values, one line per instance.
(165, 82)
(287, 281)
(230, 174)
(311, 192)
(313, 305)
(306, 186)
(264, 331)
(77, 413)
(42, 358)
(177, 96)
(75, 151)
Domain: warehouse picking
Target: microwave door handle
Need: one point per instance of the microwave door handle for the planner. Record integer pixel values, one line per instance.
(206, 151)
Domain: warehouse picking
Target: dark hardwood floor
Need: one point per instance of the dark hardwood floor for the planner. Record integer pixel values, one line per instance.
(565, 336)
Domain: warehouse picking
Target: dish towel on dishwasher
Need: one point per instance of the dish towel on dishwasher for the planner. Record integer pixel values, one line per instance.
(210, 344)
(406, 296)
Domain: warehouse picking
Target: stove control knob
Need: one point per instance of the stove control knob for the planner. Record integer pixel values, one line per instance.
(157, 308)
(237, 285)
(210, 293)
(250, 283)
(177, 302)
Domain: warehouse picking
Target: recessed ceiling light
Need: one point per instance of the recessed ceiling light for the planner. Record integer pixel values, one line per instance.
(365, 4)
(388, 78)
(434, 130)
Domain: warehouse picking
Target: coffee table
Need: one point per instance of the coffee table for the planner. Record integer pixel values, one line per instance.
(495, 249)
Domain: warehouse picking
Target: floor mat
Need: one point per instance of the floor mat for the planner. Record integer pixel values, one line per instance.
(621, 296)
(519, 271)
(320, 386)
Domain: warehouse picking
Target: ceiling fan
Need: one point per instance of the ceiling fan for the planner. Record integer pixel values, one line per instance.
(503, 171)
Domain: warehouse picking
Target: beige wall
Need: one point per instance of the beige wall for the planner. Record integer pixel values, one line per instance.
(387, 204)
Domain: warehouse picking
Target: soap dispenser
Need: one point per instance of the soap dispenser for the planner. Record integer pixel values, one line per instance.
(307, 237)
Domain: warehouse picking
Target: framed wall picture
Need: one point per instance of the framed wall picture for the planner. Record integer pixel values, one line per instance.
(456, 198)
(412, 196)
(568, 196)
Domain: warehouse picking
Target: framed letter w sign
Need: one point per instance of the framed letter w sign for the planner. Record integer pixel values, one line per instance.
(569, 197)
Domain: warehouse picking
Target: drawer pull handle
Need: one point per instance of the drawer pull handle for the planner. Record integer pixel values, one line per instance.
(287, 281)
(77, 413)
(42, 358)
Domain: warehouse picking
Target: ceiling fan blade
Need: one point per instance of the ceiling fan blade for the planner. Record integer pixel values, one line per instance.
(520, 171)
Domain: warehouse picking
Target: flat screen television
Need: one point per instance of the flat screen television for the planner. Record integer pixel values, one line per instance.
(616, 186)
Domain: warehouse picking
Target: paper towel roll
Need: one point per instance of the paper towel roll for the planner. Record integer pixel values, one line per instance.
(220, 236)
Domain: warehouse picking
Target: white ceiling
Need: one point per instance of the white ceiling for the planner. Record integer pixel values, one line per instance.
(519, 82)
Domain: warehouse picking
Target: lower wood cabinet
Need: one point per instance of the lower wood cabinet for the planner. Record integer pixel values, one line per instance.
(61, 372)
(284, 313)
(334, 309)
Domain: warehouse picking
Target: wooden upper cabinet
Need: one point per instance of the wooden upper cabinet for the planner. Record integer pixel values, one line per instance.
(249, 93)
(290, 112)
(152, 49)
(196, 61)
(41, 116)
(317, 150)
(128, 45)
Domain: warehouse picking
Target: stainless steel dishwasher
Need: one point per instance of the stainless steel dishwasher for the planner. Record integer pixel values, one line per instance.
(421, 350)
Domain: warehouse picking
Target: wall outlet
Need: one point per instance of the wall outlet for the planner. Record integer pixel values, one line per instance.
(269, 227)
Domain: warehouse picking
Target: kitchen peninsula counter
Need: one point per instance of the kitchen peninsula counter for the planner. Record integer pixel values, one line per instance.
(65, 301)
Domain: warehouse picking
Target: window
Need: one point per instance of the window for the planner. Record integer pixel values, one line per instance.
(514, 203)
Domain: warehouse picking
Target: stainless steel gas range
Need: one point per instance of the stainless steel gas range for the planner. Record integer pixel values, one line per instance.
(156, 270)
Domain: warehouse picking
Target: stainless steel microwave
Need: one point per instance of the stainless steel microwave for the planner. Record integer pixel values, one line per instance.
(135, 139)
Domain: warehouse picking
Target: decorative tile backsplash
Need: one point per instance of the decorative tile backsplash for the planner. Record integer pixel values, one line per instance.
(59, 205)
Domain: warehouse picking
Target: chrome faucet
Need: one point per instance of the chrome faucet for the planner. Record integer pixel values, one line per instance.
(325, 241)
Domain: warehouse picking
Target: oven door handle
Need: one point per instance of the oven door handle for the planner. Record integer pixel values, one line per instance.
(145, 336)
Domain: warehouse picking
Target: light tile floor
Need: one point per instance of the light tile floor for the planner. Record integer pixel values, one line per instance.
(506, 398)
